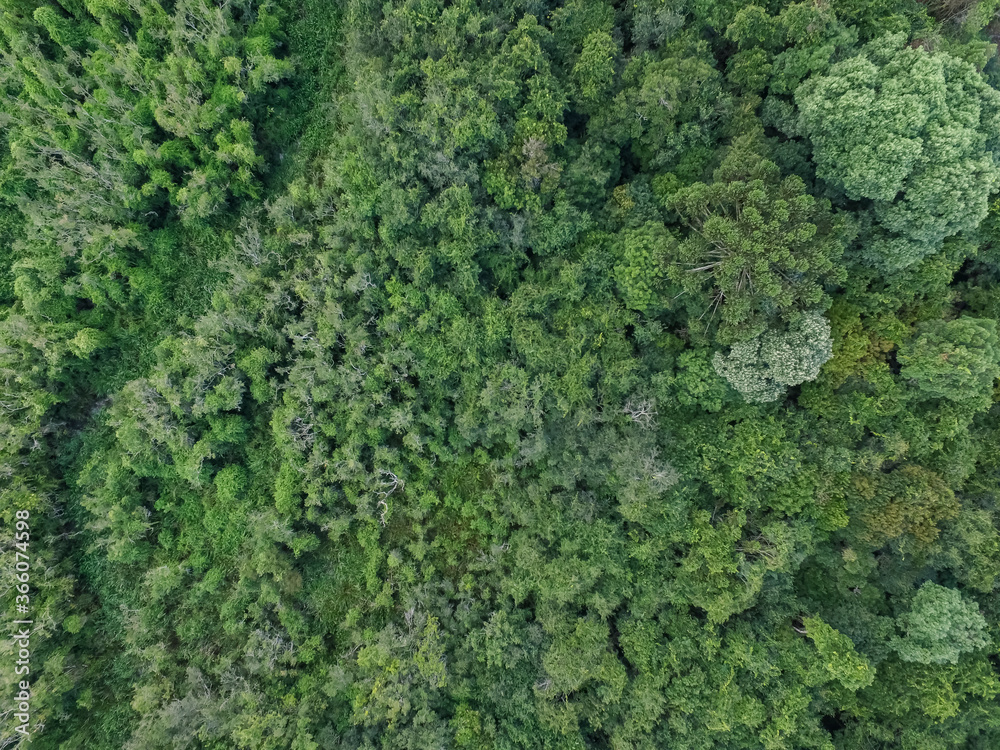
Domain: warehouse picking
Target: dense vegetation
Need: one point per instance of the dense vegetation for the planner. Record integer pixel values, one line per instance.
(503, 374)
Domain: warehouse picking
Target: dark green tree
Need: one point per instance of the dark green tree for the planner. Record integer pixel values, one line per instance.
(760, 248)
(956, 359)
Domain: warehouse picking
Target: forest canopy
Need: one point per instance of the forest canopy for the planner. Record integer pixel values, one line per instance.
(501, 374)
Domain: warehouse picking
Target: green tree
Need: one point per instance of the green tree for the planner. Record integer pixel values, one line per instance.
(595, 69)
(913, 132)
(939, 627)
(840, 659)
(760, 248)
(910, 500)
(955, 359)
(763, 367)
(641, 271)
(667, 104)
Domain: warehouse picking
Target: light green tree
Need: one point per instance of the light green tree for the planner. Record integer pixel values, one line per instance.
(763, 367)
(840, 659)
(595, 69)
(643, 257)
(914, 132)
(939, 627)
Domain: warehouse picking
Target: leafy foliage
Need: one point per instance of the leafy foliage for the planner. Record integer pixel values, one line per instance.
(453, 373)
(911, 131)
(766, 245)
(761, 368)
(955, 359)
(939, 627)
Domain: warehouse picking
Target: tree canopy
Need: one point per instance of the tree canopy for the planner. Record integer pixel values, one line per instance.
(501, 374)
